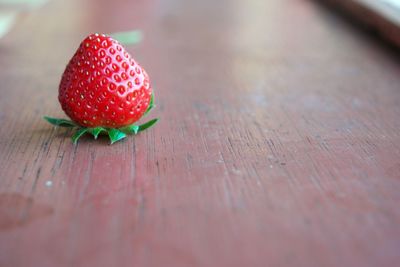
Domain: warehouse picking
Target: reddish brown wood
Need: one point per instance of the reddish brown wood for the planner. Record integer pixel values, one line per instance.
(278, 143)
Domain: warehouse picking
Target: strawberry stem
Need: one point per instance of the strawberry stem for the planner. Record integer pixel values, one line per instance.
(113, 133)
(116, 135)
(147, 125)
(151, 105)
(96, 131)
(78, 134)
(60, 122)
(131, 129)
(128, 38)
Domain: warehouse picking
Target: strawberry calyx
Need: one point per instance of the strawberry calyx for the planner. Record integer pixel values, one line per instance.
(115, 134)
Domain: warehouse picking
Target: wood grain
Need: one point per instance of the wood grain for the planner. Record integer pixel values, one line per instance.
(278, 143)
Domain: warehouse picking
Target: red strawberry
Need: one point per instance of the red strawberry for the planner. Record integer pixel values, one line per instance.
(103, 87)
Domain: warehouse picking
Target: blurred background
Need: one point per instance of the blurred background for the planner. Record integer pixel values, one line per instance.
(10, 9)
(382, 16)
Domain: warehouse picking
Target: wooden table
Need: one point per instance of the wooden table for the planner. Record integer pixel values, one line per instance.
(278, 144)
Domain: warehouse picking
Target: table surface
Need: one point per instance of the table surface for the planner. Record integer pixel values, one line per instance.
(278, 144)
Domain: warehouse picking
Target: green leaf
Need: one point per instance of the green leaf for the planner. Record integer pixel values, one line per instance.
(151, 105)
(131, 129)
(60, 122)
(128, 38)
(78, 134)
(96, 131)
(115, 135)
(147, 125)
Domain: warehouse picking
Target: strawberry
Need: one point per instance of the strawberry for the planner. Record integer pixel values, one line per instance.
(103, 89)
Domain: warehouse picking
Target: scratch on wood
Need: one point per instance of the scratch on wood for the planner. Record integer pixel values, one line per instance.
(35, 181)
